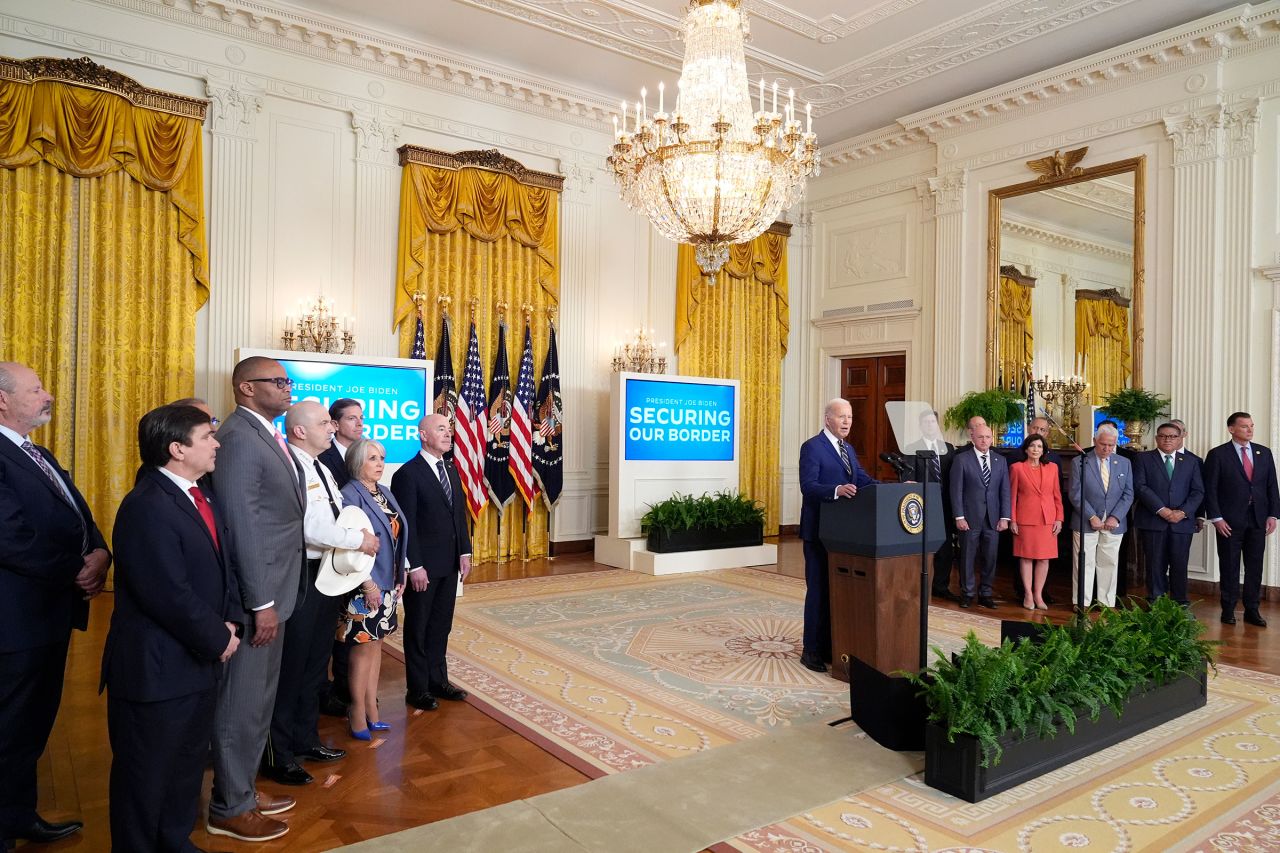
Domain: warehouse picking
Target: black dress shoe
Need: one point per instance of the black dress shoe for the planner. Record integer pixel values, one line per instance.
(987, 602)
(1253, 617)
(321, 754)
(944, 594)
(423, 701)
(42, 832)
(450, 692)
(966, 601)
(288, 774)
(813, 664)
(333, 706)
(1228, 618)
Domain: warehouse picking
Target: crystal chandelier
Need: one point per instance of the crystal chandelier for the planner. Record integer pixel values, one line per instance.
(712, 174)
(640, 356)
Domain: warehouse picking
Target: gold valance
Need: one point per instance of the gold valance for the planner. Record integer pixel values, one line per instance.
(485, 203)
(87, 130)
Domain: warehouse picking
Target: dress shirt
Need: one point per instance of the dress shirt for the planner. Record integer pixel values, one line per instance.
(342, 448)
(184, 485)
(318, 525)
(19, 440)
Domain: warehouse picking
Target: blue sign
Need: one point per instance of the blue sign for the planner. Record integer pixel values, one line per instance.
(678, 421)
(394, 398)
(1100, 415)
(1015, 433)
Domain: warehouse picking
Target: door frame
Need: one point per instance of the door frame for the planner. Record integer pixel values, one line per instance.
(889, 333)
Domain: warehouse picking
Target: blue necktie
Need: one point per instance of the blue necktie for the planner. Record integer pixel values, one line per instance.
(444, 482)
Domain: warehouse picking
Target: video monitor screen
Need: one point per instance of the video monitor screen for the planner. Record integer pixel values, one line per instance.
(678, 421)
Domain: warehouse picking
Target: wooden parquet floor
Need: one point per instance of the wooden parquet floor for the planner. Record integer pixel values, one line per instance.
(431, 765)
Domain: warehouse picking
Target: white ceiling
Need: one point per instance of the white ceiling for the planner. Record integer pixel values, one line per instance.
(863, 63)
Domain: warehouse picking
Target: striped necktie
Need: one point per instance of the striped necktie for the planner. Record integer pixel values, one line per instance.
(986, 471)
(444, 482)
(844, 459)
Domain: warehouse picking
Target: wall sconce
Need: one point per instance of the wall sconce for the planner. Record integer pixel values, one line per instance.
(316, 329)
(640, 355)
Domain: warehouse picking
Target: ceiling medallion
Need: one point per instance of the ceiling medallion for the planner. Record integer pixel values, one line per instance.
(712, 174)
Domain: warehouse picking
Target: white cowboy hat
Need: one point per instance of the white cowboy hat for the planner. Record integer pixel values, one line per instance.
(342, 570)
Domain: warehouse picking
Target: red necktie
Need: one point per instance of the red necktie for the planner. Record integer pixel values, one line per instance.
(206, 512)
(1247, 463)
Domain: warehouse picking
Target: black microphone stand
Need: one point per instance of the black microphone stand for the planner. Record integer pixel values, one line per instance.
(925, 458)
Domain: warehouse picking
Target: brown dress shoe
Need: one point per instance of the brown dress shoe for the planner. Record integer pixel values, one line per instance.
(270, 804)
(253, 825)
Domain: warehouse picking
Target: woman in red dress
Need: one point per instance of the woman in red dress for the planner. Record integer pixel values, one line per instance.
(1037, 518)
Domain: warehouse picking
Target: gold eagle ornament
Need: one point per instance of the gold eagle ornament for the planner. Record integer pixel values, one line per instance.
(1058, 165)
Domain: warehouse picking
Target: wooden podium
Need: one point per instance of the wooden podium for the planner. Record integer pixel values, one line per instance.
(873, 564)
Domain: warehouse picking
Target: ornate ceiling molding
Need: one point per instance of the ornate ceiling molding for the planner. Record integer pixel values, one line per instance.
(85, 72)
(1063, 241)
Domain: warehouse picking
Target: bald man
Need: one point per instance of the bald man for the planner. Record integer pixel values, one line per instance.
(829, 471)
(428, 489)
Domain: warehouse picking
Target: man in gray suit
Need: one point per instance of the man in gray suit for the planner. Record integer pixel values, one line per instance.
(259, 484)
(979, 486)
(1108, 493)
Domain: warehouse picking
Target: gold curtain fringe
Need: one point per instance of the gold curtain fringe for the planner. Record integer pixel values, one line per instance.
(736, 327)
(92, 132)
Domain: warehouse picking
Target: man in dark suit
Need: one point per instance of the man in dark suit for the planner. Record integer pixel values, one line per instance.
(1168, 491)
(348, 421)
(172, 628)
(938, 470)
(980, 499)
(53, 560)
(1242, 503)
(829, 471)
(435, 507)
(261, 487)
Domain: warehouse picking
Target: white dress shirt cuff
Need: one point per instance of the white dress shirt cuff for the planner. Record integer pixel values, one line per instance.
(263, 606)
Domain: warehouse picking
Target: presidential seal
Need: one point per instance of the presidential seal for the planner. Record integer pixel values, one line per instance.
(911, 513)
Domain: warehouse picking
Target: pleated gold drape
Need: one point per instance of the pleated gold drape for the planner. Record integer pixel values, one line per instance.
(1102, 346)
(735, 327)
(1017, 339)
(472, 233)
(102, 267)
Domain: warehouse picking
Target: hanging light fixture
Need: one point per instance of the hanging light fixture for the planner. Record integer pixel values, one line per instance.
(712, 173)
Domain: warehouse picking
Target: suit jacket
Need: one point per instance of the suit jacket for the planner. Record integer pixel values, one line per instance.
(42, 546)
(1229, 496)
(1118, 497)
(440, 534)
(173, 593)
(1034, 494)
(332, 459)
(263, 503)
(1154, 490)
(944, 464)
(389, 562)
(980, 506)
(820, 472)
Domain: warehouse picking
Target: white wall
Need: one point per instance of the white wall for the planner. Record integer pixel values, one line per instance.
(303, 187)
(900, 223)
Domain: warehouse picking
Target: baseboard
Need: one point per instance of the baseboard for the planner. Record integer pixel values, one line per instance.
(1209, 590)
(788, 529)
(570, 546)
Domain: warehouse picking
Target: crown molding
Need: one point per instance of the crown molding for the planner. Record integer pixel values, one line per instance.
(331, 40)
(1235, 32)
(1038, 234)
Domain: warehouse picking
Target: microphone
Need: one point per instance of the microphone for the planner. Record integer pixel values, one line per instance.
(900, 465)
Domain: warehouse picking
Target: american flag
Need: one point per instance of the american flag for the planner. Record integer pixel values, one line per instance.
(419, 342)
(521, 461)
(471, 430)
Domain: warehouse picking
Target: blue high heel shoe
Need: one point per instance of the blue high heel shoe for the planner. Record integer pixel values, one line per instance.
(363, 734)
(378, 726)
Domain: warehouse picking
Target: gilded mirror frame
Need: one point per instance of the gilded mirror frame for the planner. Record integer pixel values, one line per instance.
(1136, 165)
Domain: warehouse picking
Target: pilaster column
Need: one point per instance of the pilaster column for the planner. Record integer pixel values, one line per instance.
(952, 319)
(1271, 569)
(377, 210)
(584, 370)
(233, 130)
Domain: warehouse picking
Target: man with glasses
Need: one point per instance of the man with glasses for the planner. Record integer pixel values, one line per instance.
(1168, 491)
(261, 486)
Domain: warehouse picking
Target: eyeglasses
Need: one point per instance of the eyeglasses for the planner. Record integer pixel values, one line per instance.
(281, 382)
(1168, 435)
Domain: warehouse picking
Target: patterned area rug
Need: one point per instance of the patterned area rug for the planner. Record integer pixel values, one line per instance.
(616, 670)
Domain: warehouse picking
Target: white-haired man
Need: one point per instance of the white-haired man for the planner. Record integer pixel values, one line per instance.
(1107, 482)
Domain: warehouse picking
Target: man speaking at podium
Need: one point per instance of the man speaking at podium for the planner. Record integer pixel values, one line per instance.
(829, 471)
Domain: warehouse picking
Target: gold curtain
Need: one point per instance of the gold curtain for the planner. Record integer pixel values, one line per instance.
(472, 233)
(735, 327)
(102, 266)
(1017, 340)
(1102, 346)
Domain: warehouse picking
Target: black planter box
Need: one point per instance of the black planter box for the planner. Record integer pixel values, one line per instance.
(956, 768)
(702, 539)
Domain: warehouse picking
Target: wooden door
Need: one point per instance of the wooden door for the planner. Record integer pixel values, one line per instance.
(868, 383)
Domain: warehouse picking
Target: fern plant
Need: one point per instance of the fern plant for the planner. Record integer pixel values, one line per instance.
(1033, 687)
(714, 510)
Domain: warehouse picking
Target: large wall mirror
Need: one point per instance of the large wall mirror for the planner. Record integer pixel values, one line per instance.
(1065, 275)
